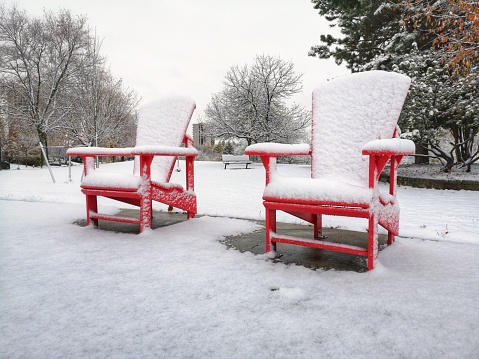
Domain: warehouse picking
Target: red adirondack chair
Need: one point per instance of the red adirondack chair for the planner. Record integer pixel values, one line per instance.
(161, 133)
(354, 135)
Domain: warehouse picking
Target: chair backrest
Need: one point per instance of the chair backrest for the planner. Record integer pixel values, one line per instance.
(348, 112)
(163, 123)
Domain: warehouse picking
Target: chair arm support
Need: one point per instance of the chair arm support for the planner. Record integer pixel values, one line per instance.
(269, 151)
(188, 141)
(389, 147)
(382, 151)
(278, 149)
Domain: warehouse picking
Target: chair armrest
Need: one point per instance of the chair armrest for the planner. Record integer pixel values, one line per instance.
(278, 149)
(389, 147)
(133, 151)
(100, 151)
(165, 151)
(269, 151)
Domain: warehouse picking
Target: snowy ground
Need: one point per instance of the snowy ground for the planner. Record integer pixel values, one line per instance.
(176, 292)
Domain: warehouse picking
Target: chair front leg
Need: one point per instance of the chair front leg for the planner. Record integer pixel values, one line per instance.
(90, 200)
(393, 168)
(146, 211)
(88, 164)
(269, 163)
(376, 163)
(190, 173)
(91, 207)
(372, 239)
(190, 180)
(270, 222)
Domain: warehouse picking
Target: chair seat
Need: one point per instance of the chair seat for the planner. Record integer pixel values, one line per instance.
(104, 180)
(294, 189)
(327, 191)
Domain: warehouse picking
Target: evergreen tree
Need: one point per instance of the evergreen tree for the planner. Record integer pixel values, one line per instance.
(228, 148)
(368, 31)
(399, 36)
(219, 148)
(442, 112)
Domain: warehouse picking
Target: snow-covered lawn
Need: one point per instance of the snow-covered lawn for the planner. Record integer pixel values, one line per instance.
(176, 292)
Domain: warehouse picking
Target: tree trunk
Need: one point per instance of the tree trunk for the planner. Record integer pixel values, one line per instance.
(421, 149)
(448, 167)
(44, 140)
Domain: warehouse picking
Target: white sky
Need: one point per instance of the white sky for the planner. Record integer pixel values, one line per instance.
(187, 46)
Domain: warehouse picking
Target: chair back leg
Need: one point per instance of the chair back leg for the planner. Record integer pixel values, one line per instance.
(318, 225)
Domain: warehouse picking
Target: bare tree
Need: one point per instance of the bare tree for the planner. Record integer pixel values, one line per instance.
(38, 58)
(252, 104)
(102, 110)
(55, 81)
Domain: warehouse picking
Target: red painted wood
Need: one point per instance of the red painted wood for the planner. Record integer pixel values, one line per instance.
(311, 211)
(143, 197)
(276, 238)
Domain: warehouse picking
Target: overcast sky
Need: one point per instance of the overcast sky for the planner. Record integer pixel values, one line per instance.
(187, 46)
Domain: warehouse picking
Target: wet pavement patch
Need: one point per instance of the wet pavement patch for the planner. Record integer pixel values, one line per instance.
(308, 257)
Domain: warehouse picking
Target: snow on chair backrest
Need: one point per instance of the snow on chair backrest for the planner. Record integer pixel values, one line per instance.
(163, 123)
(348, 112)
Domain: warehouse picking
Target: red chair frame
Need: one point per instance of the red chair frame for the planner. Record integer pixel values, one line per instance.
(375, 209)
(144, 194)
(161, 122)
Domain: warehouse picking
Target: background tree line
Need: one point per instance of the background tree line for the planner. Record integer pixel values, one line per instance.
(436, 43)
(55, 86)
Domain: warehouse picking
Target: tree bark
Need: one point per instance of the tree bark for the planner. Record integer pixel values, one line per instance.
(421, 150)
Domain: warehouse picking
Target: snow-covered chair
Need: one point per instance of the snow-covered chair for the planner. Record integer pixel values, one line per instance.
(354, 135)
(160, 139)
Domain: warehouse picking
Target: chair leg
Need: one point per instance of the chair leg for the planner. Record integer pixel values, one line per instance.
(391, 238)
(270, 222)
(145, 213)
(372, 240)
(318, 226)
(91, 206)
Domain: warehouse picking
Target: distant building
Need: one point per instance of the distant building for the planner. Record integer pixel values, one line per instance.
(199, 135)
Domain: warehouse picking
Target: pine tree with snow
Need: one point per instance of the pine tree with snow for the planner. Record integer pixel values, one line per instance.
(398, 36)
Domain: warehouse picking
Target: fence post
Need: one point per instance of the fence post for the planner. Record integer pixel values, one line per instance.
(69, 164)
